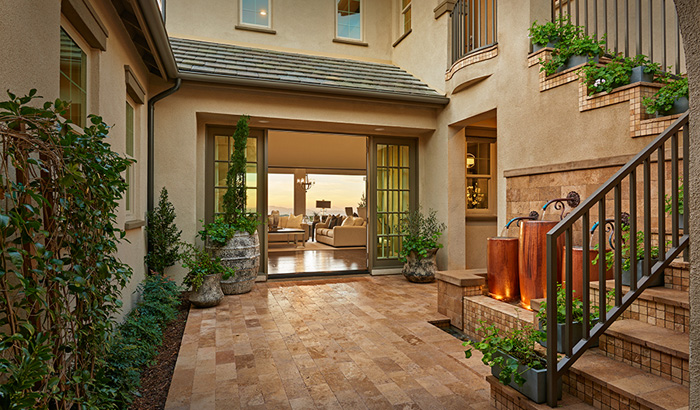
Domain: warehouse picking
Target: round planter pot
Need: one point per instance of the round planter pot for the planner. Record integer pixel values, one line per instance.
(420, 270)
(242, 252)
(209, 294)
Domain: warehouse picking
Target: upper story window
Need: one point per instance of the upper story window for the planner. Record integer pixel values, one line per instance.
(474, 26)
(255, 12)
(73, 82)
(405, 16)
(349, 19)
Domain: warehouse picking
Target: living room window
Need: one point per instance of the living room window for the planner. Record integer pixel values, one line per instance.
(223, 148)
(348, 19)
(255, 12)
(405, 16)
(73, 79)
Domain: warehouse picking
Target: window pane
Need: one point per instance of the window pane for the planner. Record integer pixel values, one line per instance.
(252, 150)
(407, 20)
(221, 168)
(127, 195)
(221, 148)
(477, 193)
(480, 154)
(251, 175)
(255, 12)
(73, 75)
(129, 130)
(349, 20)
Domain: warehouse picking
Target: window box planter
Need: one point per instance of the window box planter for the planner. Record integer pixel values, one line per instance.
(639, 76)
(538, 47)
(680, 105)
(627, 275)
(561, 328)
(577, 60)
(535, 386)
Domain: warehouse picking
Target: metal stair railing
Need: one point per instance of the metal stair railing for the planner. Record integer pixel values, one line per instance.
(581, 216)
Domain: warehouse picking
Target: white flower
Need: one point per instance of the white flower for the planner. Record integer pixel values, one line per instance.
(599, 82)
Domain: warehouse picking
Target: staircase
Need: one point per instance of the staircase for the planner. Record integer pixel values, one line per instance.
(642, 358)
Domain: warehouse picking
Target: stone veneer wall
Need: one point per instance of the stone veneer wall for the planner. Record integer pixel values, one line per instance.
(450, 301)
(503, 316)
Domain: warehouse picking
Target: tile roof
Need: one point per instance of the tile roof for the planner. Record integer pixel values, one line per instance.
(335, 75)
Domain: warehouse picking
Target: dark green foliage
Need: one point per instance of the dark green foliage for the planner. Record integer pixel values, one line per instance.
(235, 196)
(219, 232)
(626, 252)
(201, 264)
(576, 308)
(669, 201)
(555, 31)
(663, 100)
(420, 233)
(571, 41)
(616, 73)
(60, 191)
(518, 343)
(136, 341)
(163, 235)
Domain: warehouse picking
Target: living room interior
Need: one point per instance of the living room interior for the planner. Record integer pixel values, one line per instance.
(317, 207)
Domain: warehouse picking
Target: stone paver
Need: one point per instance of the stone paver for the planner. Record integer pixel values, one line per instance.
(349, 343)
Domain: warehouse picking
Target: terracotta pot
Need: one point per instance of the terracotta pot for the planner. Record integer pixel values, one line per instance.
(209, 294)
(242, 252)
(502, 268)
(420, 270)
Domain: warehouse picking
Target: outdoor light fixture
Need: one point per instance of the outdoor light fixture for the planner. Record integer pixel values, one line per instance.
(304, 182)
(471, 160)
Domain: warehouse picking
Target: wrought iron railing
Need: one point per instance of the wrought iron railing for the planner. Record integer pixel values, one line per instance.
(632, 27)
(474, 26)
(581, 217)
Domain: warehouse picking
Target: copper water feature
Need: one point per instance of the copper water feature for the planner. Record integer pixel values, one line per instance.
(577, 261)
(533, 250)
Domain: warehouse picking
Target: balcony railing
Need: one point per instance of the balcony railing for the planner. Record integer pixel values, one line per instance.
(632, 27)
(620, 192)
(474, 26)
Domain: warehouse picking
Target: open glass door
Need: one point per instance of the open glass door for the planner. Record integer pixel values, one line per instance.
(393, 193)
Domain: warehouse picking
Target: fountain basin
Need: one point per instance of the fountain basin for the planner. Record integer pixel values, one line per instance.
(502, 268)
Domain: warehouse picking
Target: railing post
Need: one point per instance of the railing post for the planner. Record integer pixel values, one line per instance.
(552, 374)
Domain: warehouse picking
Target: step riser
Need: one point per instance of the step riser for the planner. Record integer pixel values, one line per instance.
(677, 278)
(598, 396)
(655, 313)
(648, 359)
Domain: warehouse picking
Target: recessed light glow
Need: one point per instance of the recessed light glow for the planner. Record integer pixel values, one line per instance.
(263, 121)
(263, 12)
(379, 129)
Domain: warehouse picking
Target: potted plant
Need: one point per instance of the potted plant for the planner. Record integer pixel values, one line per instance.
(618, 72)
(671, 99)
(204, 276)
(549, 34)
(576, 318)
(669, 207)
(420, 235)
(514, 360)
(362, 207)
(573, 50)
(233, 236)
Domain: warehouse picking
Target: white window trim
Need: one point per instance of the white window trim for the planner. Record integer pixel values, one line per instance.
(362, 23)
(402, 12)
(85, 47)
(269, 16)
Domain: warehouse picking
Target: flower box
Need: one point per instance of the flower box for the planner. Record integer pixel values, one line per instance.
(535, 386)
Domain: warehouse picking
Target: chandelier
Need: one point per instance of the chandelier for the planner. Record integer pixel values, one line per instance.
(304, 182)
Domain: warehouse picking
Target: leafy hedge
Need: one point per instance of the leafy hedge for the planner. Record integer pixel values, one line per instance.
(136, 341)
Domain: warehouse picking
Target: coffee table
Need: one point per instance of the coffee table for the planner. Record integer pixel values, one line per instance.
(293, 234)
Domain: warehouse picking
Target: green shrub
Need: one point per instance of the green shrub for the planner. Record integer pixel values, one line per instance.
(136, 341)
(663, 100)
(163, 235)
(570, 41)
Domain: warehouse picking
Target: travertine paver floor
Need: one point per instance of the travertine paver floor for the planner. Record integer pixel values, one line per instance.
(353, 343)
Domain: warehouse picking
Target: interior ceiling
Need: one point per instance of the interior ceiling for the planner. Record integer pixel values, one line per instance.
(289, 149)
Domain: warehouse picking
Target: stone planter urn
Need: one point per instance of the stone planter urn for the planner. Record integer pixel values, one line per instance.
(209, 294)
(242, 253)
(420, 270)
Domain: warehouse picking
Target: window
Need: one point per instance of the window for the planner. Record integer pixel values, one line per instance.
(73, 79)
(405, 16)
(479, 165)
(348, 20)
(255, 12)
(223, 148)
(129, 196)
(393, 197)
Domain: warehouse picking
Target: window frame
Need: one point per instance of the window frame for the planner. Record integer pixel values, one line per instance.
(362, 25)
(402, 16)
(253, 25)
(130, 173)
(490, 210)
(75, 36)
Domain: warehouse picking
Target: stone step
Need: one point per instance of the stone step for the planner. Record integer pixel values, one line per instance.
(659, 306)
(606, 383)
(677, 276)
(506, 397)
(656, 350)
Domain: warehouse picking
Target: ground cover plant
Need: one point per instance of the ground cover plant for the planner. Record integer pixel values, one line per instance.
(60, 282)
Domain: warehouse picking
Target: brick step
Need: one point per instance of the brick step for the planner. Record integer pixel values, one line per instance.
(506, 397)
(606, 383)
(677, 276)
(656, 350)
(660, 306)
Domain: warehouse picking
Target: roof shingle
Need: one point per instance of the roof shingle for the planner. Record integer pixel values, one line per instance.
(200, 57)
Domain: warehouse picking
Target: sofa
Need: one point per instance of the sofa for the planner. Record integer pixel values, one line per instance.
(283, 224)
(353, 233)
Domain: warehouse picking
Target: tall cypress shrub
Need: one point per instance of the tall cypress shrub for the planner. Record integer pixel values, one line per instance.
(163, 235)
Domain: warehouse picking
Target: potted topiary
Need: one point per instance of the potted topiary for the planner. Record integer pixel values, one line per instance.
(576, 318)
(671, 99)
(233, 236)
(204, 276)
(514, 360)
(669, 207)
(420, 235)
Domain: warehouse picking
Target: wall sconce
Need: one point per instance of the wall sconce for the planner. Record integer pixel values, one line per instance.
(471, 160)
(305, 183)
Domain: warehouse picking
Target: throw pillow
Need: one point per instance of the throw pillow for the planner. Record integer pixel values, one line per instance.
(348, 221)
(294, 221)
(358, 222)
(333, 222)
(283, 221)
